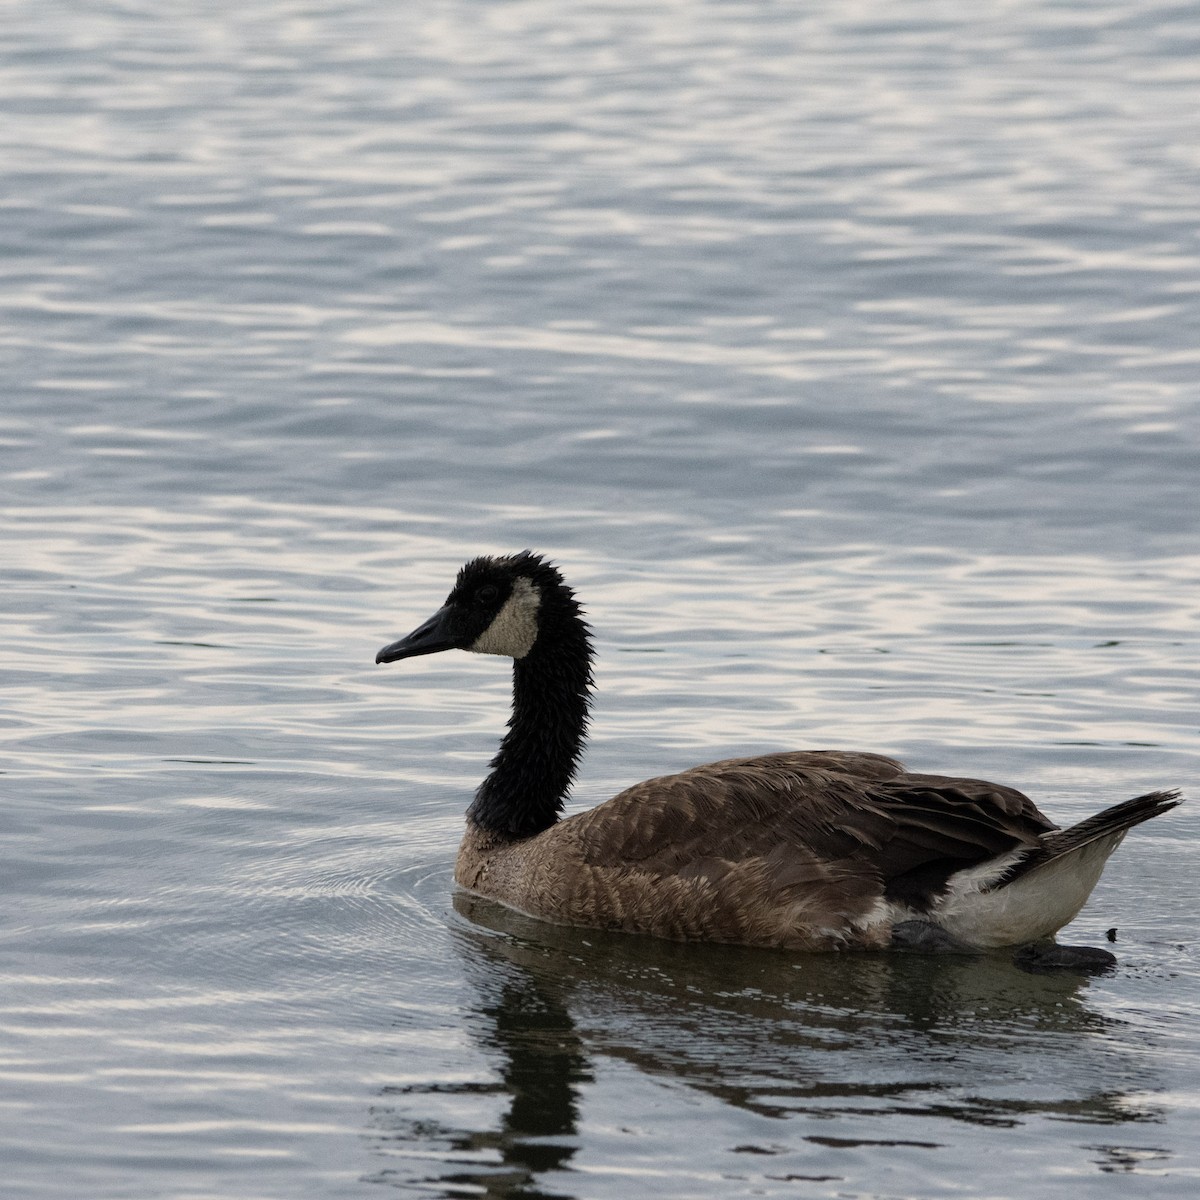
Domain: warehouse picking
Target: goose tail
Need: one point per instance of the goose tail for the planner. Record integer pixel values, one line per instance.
(1045, 888)
(1111, 822)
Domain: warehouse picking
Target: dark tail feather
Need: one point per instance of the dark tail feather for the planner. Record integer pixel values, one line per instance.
(1110, 820)
(1117, 819)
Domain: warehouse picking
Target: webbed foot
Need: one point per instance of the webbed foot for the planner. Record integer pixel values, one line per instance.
(1042, 958)
(924, 937)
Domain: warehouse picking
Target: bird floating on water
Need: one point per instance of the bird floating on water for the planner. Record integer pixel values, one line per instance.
(801, 850)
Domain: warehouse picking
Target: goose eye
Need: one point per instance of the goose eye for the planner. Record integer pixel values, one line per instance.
(487, 594)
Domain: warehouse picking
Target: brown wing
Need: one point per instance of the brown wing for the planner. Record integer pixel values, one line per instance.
(858, 814)
(935, 826)
(733, 808)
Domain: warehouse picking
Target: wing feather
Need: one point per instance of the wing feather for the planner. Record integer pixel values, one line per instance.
(859, 815)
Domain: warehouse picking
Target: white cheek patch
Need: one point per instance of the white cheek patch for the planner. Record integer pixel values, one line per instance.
(515, 627)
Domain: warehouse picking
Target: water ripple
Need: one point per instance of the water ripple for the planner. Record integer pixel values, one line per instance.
(846, 359)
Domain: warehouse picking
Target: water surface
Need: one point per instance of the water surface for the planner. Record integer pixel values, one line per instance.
(845, 358)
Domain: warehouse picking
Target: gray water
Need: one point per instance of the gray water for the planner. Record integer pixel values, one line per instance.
(844, 355)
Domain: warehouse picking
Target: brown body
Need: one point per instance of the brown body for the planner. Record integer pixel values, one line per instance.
(806, 851)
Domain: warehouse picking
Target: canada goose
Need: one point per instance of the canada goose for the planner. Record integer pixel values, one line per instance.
(807, 850)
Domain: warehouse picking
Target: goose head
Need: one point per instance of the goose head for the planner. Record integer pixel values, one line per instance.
(495, 607)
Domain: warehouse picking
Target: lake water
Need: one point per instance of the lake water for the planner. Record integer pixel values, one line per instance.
(844, 355)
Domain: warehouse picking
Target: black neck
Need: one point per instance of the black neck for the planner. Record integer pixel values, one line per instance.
(533, 768)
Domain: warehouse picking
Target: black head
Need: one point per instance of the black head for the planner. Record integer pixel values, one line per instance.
(493, 608)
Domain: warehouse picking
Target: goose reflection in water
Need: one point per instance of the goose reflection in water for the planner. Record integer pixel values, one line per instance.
(852, 1052)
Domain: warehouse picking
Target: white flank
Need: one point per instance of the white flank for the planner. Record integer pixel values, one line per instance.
(1034, 906)
(514, 629)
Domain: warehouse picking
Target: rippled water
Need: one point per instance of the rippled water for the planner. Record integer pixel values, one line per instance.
(844, 355)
